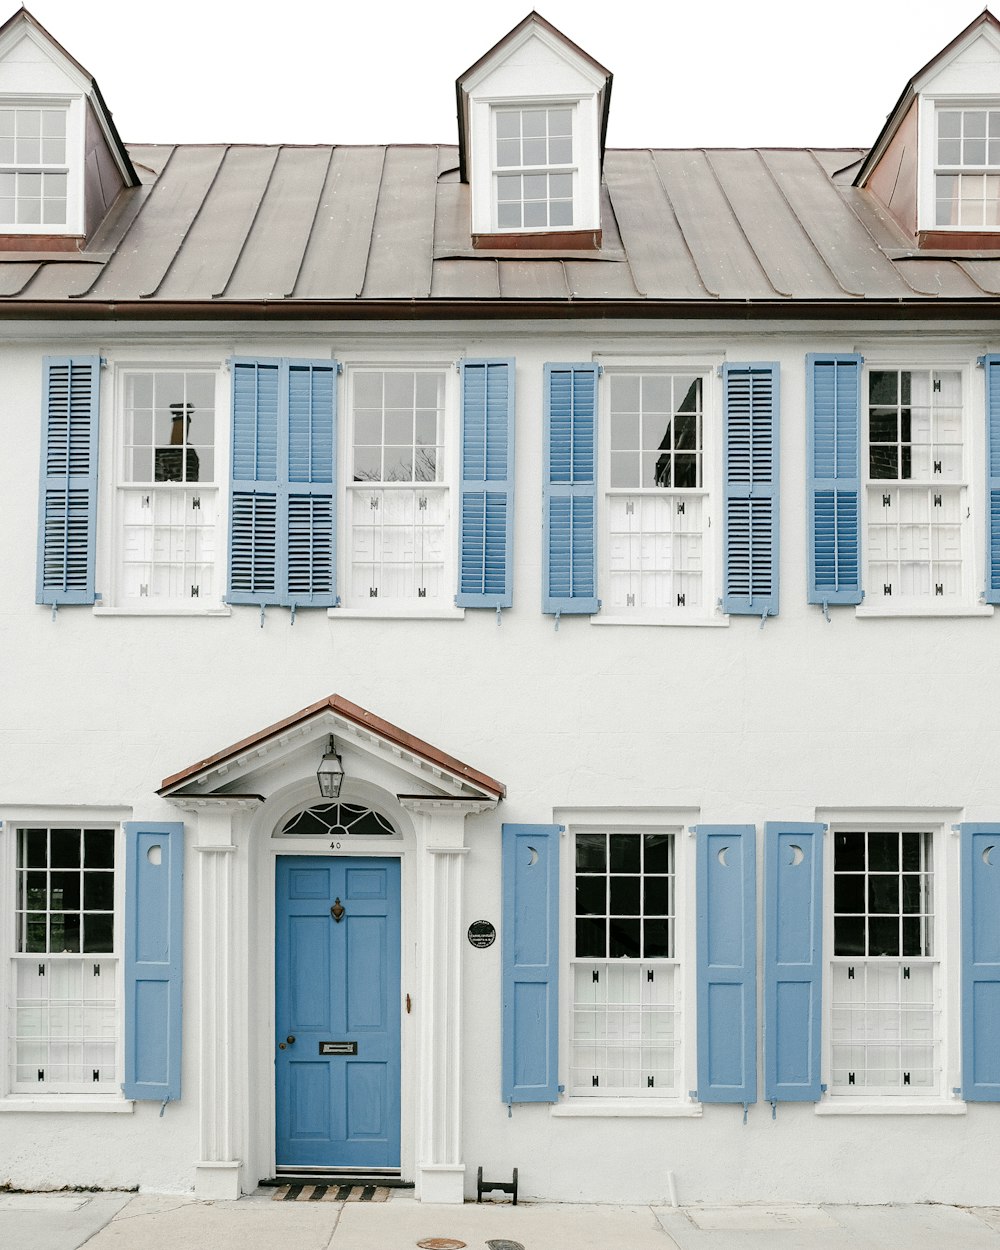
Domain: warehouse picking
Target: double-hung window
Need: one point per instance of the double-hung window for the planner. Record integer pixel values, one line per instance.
(64, 1012)
(167, 491)
(34, 173)
(398, 503)
(533, 167)
(967, 167)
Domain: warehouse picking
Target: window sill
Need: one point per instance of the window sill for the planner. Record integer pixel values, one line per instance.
(890, 1106)
(164, 611)
(77, 1104)
(923, 609)
(626, 1108)
(699, 622)
(400, 613)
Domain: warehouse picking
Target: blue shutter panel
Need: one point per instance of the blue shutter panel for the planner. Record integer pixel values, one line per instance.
(751, 488)
(980, 962)
(569, 561)
(727, 963)
(530, 963)
(154, 919)
(833, 394)
(487, 495)
(67, 521)
(793, 971)
(283, 533)
(991, 368)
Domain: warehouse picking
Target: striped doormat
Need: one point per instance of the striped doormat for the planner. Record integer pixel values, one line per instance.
(331, 1193)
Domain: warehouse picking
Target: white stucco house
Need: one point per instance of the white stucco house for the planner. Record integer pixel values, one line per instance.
(615, 535)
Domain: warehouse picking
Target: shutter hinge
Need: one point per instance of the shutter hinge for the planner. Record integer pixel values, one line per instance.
(558, 614)
(339, 368)
(825, 609)
(293, 607)
(720, 371)
(499, 616)
(103, 360)
(561, 1089)
(600, 371)
(163, 1107)
(774, 1108)
(822, 1089)
(510, 1109)
(55, 609)
(957, 1091)
(693, 1093)
(263, 606)
(746, 1112)
(980, 364)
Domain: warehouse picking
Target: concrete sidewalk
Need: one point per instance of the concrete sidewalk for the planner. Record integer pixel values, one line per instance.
(116, 1221)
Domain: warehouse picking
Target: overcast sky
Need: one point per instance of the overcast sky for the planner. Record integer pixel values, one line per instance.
(698, 73)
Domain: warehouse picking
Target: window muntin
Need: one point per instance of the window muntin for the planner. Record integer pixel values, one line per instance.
(625, 981)
(656, 506)
(885, 1018)
(916, 523)
(533, 168)
(337, 820)
(34, 175)
(167, 494)
(64, 1017)
(397, 496)
(967, 168)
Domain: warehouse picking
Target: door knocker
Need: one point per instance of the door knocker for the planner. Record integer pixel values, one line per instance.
(337, 910)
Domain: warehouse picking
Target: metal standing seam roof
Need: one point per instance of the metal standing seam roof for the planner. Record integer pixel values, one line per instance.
(279, 230)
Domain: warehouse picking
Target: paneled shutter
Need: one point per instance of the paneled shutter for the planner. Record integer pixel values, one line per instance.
(67, 521)
(283, 531)
(570, 489)
(727, 963)
(991, 368)
(530, 963)
(833, 393)
(980, 962)
(751, 488)
(793, 952)
(487, 499)
(154, 920)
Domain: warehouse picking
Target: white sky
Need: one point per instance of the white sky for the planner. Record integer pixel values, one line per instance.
(698, 73)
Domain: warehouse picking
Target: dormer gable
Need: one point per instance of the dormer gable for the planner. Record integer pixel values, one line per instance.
(532, 121)
(935, 166)
(62, 162)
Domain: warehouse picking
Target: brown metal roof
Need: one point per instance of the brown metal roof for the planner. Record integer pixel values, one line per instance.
(356, 715)
(236, 230)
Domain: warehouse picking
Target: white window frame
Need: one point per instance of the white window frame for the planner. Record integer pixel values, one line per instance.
(927, 158)
(635, 821)
(946, 946)
(74, 166)
(111, 510)
(47, 1099)
(444, 607)
(570, 168)
(710, 492)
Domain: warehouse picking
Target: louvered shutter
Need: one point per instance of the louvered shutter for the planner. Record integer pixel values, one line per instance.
(991, 368)
(67, 522)
(833, 394)
(154, 922)
(570, 489)
(282, 543)
(530, 963)
(487, 496)
(751, 488)
(727, 963)
(793, 951)
(980, 851)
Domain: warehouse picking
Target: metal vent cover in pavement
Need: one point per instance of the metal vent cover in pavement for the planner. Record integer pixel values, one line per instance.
(505, 1245)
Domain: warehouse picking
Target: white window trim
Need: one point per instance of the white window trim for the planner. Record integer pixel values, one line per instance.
(632, 820)
(75, 107)
(571, 168)
(109, 513)
(396, 608)
(947, 940)
(974, 487)
(99, 1102)
(927, 156)
(710, 613)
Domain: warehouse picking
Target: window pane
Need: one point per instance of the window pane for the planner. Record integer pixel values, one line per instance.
(623, 938)
(561, 214)
(949, 123)
(883, 935)
(98, 933)
(561, 122)
(533, 122)
(657, 852)
(624, 896)
(883, 852)
(590, 939)
(625, 850)
(99, 891)
(65, 848)
(849, 893)
(591, 896)
(656, 897)
(508, 124)
(591, 852)
(883, 894)
(849, 852)
(657, 938)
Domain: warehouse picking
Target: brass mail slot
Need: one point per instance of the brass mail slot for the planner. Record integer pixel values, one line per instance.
(338, 1048)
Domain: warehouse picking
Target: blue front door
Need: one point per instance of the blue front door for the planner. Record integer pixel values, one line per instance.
(337, 1055)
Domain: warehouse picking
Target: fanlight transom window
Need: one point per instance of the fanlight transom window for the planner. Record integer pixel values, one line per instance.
(335, 820)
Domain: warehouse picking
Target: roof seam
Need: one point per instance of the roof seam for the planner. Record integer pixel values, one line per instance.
(736, 217)
(371, 233)
(312, 224)
(963, 266)
(253, 221)
(188, 228)
(680, 229)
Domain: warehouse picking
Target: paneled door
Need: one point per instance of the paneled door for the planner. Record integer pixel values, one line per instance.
(337, 1012)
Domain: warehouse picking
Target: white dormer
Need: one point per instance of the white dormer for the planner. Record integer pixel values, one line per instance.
(62, 163)
(532, 116)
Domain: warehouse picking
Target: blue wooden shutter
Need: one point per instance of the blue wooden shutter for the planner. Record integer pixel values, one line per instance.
(282, 541)
(67, 521)
(793, 952)
(727, 963)
(991, 368)
(833, 394)
(751, 488)
(154, 920)
(569, 563)
(487, 498)
(530, 963)
(980, 844)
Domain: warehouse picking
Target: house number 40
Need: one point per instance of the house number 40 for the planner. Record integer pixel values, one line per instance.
(334, 846)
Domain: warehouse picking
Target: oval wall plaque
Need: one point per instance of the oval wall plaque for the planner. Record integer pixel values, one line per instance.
(482, 934)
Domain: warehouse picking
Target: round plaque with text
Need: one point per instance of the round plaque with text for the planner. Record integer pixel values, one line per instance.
(482, 934)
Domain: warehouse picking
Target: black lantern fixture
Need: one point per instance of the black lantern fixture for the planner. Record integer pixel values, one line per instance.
(330, 773)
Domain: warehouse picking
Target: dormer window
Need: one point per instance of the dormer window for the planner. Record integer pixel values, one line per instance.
(534, 168)
(34, 174)
(967, 168)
